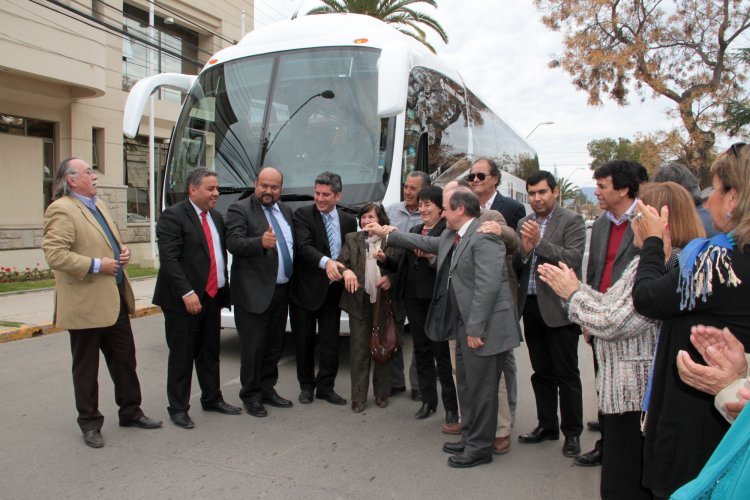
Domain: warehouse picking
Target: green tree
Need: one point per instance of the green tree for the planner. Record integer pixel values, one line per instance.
(679, 49)
(398, 13)
(566, 190)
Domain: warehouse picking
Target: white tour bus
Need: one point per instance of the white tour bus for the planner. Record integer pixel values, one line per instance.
(338, 92)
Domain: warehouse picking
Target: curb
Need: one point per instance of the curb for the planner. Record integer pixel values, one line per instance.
(30, 331)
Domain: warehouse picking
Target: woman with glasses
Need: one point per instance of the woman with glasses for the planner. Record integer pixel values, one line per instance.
(711, 286)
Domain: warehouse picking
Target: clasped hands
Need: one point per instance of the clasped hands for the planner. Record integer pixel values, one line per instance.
(110, 266)
(725, 363)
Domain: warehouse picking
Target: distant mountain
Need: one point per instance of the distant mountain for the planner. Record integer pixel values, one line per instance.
(589, 192)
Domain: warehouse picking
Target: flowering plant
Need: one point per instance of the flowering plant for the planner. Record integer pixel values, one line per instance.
(12, 275)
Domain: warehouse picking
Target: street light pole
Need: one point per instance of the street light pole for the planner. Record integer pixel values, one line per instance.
(537, 126)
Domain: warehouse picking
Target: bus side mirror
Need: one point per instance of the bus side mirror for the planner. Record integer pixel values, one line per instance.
(140, 93)
(393, 79)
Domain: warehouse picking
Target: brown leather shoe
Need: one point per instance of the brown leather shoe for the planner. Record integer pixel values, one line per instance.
(358, 407)
(381, 401)
(502, 445)
(454, 428)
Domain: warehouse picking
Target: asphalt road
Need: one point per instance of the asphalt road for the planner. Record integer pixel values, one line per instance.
(317, 451)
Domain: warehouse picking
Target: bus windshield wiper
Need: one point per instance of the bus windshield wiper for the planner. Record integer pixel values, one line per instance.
(296, 197)
(236, 189)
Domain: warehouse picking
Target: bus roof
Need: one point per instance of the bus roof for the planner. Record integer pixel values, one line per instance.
(330, 30)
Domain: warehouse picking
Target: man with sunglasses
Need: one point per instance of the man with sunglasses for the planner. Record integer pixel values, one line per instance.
(485, 177)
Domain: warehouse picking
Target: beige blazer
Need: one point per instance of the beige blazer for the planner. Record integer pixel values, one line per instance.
(72, 237)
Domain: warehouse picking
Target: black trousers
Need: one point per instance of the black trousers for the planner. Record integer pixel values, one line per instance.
(261, 345)
(427, 354)
(554, 358)
(117, 344)
(621, 471)
(304, 323)
(193, 339)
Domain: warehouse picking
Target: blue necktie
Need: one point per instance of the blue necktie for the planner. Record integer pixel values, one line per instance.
(285, 257)
(329, 233)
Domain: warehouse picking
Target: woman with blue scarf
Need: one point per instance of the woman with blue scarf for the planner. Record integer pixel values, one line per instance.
(710, 287)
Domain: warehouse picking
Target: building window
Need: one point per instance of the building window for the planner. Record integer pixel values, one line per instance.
(17, 125)
(135, 163)
(177, 50)
(97, 148)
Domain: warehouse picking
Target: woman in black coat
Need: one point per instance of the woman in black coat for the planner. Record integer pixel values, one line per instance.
(416, 283)
(710, 287)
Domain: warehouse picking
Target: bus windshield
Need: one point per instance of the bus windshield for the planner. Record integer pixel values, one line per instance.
(302, 111)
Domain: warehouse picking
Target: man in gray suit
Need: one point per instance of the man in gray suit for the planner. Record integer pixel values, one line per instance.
(611, 246)
(551, 234)
(473, 304)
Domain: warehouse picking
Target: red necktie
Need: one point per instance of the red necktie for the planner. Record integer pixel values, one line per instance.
(456, 239)
(212, 285)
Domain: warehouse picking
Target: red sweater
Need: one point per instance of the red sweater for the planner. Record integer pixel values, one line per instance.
(615, 238)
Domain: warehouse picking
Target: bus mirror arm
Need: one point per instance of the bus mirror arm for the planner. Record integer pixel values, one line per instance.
(140, 93)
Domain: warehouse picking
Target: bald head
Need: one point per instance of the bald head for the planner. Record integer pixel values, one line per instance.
(268, 186)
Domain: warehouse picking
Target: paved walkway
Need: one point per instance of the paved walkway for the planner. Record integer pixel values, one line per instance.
(33, 310)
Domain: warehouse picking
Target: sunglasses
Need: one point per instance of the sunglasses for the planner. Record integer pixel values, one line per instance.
(734, 148)
(481, 176)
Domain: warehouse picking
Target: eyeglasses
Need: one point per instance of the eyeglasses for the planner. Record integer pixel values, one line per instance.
(734, 148)
(479, 175)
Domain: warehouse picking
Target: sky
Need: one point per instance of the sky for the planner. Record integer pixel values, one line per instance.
(502, 50)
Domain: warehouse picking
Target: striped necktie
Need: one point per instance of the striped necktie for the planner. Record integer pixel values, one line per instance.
(329, 233)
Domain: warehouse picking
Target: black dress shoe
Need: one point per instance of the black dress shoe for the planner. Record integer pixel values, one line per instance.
(538, 435)
(396, 390)
(416, 395)
(572, 446)
(332, 398)
(594, 426)
(425, 411)
(182, 419)
(274, 399)
(222, 406)
(465, 460)
(451, 417)
(256, 409)
(93, 438)
(306, 396)
(455, 447)
(590, 459)
(143, 422)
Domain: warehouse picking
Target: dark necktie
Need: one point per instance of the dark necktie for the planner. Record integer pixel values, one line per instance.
(212, 285)
(285, 256)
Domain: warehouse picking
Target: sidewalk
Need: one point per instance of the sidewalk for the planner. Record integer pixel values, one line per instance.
(33, 310)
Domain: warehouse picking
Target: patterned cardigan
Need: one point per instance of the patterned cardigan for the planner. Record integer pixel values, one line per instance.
(624, 345)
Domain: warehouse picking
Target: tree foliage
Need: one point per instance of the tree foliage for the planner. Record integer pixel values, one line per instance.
(398, 13)
(566, 190)
(683, 50)
(650, 150)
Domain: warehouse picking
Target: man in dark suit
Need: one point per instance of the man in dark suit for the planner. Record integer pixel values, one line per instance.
(92, 297)
(473, 304)
(485, 177)
(319, 231)
(191, 289)
(551, 234)
(611, 245)
(260, 239)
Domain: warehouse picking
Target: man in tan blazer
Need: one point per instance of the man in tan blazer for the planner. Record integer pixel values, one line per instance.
(92, 297)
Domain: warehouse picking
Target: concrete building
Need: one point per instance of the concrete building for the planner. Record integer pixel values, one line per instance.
(66, 68)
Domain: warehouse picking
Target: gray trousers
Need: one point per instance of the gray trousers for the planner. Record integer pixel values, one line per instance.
(478, 383)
